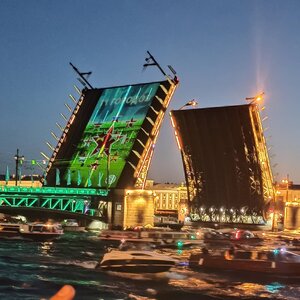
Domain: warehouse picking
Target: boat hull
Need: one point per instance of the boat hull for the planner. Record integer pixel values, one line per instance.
(40, 237)
(245, 265)
(136, 267)
(252, 241)
(8, 230)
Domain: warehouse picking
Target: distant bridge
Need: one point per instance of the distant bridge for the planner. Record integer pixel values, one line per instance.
(85, 203)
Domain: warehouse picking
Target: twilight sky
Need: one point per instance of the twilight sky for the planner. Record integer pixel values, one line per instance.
(223, 51)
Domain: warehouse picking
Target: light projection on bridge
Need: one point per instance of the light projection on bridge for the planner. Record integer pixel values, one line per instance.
(108, 138)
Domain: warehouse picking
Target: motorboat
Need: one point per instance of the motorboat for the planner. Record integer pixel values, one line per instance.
(41, 231)
(9, 230)
(277, 262)
(236, 236)
(10, 226)
(71, 225)
(128, 260)
(159, 236)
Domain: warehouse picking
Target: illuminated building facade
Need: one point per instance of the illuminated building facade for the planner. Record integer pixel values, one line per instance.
(170, 200)
(288, 204)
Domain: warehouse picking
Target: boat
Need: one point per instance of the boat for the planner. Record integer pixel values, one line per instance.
(277, 262)
(9, 230)
(157, 236)
(71, 225)
(41, 232)
(10, 226)
(135, 261)
(236, 236)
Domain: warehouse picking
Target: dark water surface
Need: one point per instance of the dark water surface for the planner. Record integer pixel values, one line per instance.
(31, 270)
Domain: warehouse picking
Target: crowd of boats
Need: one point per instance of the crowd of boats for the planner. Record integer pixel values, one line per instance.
(139, 250)
(209, 249)
(16, 227)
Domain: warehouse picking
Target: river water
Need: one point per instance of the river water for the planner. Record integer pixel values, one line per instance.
(32, 270)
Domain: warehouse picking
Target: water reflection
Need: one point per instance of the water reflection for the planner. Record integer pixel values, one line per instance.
(72, 259)
(274, 287)
(45, 248)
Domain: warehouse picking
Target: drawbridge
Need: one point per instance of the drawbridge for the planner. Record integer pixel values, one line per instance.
(103, 148)
(226, 163)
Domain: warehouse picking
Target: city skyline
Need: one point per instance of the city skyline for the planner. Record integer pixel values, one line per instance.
(222, 51)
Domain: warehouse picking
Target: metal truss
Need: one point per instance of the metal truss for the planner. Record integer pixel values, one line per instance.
(189, 173)
(145, 160)
(61, 199)
(268, 188)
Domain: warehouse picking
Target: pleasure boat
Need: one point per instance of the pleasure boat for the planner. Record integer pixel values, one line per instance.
(71, 225)
(237, 236)
(135, 261)
(9, 230)
(156, 236)
(41, 232)
(10, 226)
(277, 262)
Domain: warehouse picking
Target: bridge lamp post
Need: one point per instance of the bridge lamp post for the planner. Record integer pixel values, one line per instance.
(190, 103)
(286, 182)
(256, 99)
(19, 159)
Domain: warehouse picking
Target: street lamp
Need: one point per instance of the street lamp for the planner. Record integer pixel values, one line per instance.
(19, 159)
(256, 99)
(190, 103)
(286, 182)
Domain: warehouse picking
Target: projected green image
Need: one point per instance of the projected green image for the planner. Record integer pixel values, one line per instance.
(108, 138)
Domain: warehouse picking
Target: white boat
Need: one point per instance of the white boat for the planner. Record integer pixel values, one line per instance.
(136, 261)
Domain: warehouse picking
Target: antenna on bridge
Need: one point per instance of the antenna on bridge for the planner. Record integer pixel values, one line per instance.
(82, 79)
(151, 61)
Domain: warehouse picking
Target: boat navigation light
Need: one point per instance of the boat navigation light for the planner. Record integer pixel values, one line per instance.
(179, 244)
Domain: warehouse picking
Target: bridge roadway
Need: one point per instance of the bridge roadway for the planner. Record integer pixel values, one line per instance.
(54, 202)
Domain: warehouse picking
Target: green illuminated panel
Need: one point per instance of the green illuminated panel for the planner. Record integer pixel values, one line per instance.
(108, 138)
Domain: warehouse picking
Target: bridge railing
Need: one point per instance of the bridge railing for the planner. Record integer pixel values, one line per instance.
(75, 200)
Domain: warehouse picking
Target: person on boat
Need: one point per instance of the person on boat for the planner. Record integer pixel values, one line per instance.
(230, 253)
(205, 251)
